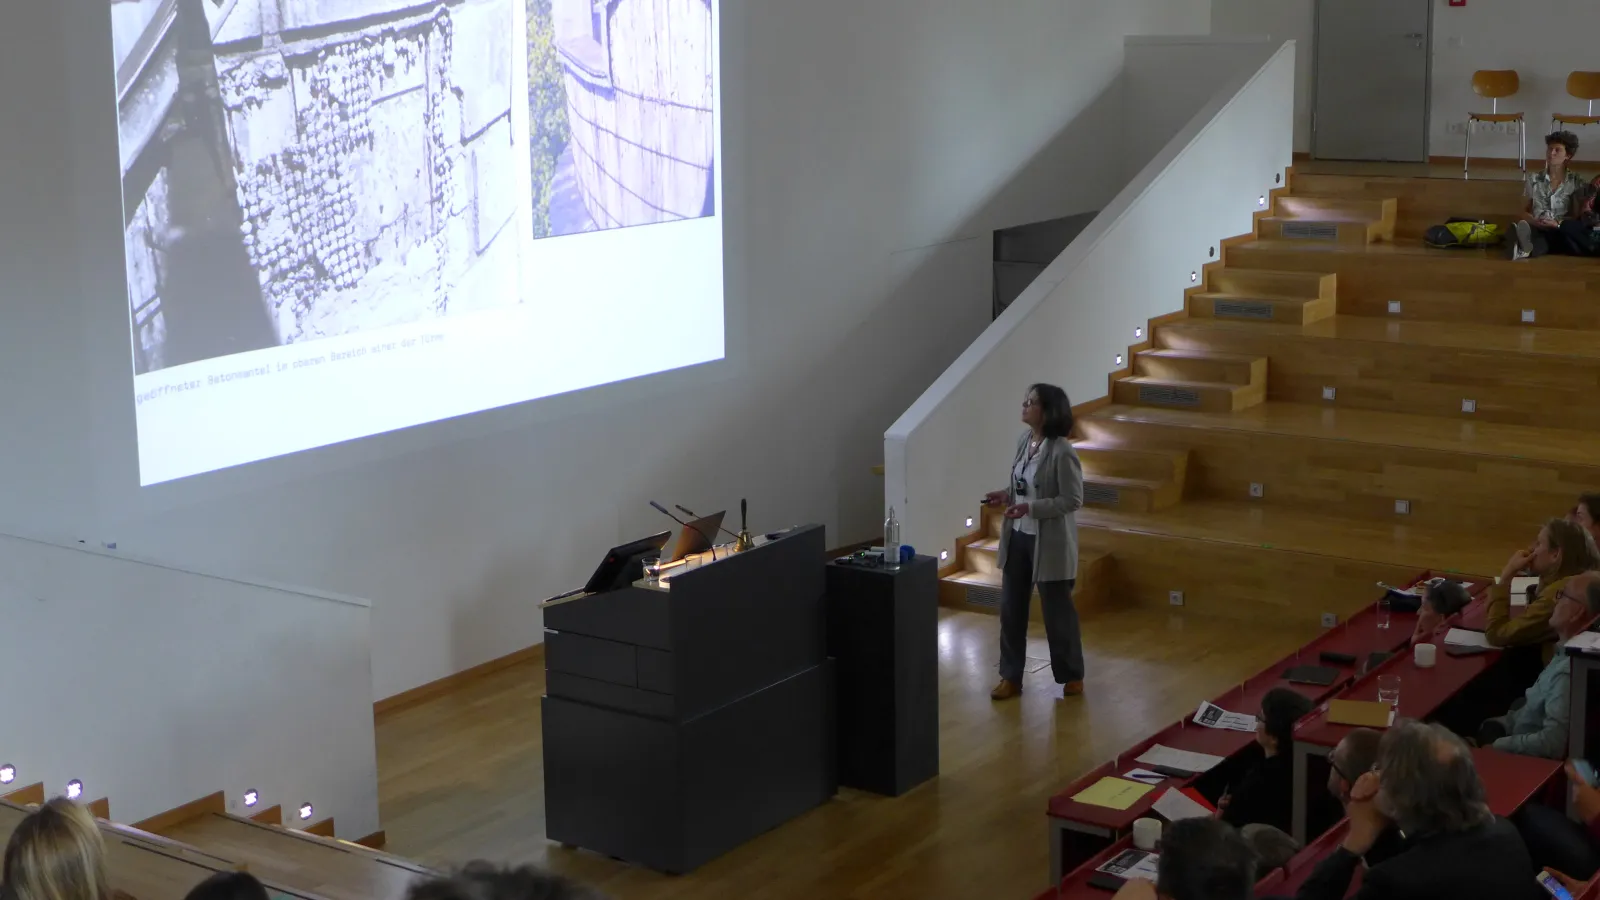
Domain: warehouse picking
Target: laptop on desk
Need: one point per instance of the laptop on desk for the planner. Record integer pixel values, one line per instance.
(697, 537)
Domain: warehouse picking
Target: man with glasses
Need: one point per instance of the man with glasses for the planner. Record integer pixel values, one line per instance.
(1538, 727)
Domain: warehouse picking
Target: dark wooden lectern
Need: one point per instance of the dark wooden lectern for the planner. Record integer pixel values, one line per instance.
(681, 721)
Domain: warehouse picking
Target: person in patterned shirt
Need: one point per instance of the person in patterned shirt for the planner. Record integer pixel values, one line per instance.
(1554, 196)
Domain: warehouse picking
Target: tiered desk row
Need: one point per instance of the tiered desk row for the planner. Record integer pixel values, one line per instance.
(1084, 837)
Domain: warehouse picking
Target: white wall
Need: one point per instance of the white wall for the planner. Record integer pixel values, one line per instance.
(952, 444)
(871, 149)
(159, 686)
(1168, 78)
(1543, 40)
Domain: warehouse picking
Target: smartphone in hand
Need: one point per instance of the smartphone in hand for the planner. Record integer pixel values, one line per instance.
(1552, 886)
(1585, 771)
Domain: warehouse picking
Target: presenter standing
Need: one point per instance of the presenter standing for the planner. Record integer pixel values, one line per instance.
(1039, 543)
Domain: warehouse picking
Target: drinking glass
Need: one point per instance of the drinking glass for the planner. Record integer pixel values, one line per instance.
(1383, 613)
(1389, 689)
(652, 569)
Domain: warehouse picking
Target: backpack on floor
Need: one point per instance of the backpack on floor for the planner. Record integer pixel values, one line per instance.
(1465, 233)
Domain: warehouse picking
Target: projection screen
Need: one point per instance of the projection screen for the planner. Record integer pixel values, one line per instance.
(344, 217)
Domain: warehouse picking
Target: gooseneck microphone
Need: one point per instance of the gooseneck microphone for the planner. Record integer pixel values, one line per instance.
(693, 515)
(697, 529)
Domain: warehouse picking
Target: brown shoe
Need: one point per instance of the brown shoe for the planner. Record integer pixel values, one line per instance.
(1072, 689)
(1005, 690)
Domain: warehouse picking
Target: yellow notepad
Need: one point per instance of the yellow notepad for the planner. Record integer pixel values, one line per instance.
(1366, 713)
(1113, 793)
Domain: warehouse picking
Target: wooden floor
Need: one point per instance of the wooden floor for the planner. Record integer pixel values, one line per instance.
(460, 775)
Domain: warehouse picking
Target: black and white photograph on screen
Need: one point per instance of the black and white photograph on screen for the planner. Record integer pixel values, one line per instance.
(621, 113)
(301, 169)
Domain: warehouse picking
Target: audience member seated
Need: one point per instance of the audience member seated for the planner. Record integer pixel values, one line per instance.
(229, 886)
(1201, 859)
(1538, 725)
(1559, 843)
(485, 881)
(1261, 804)
(1587, 515)
(1554, 195)
(56, 853)
(1426, 786)
(1439, 603)
(1561, 551)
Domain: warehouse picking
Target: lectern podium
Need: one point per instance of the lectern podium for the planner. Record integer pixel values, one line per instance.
(684, 719)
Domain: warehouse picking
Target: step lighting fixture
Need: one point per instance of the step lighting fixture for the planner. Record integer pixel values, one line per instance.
(1119, 359)
(305, 811)
(252, 797)
(1193, 277)
(8, 773)
(1262, 200)
(969, 521)
(74, 789)
(944, 555)
(1138, 332)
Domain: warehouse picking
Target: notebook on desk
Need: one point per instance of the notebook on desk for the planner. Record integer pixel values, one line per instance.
(1317, 675)
(1364, 713)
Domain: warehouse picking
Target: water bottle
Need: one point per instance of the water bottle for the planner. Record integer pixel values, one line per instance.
(891, 542)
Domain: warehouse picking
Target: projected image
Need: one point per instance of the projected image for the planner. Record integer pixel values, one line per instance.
(621, 105)
(303, 169)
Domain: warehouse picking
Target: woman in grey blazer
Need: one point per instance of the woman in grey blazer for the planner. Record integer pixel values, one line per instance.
(1039, 542)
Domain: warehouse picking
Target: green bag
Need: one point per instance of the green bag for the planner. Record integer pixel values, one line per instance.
(1465, 233)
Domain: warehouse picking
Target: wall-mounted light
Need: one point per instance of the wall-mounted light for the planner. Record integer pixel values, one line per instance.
(969, 521)
(74, 789)
(1193, 277)
(944, 555)
(8, 773)
(251, 798)
(1262, 200)
(305, 811)
(1119, 359)
(1138, 332)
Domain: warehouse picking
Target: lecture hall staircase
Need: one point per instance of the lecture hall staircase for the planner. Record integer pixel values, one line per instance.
(1336, 405)
(163, 857)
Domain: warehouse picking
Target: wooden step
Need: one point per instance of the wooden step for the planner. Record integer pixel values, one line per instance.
(1206, 395)
(1440, 285)
(1512, 376)
(1336, 231)
(1337, 209)
(1357, 464)
(1124, 461)
(1133, 494)
(1189, 365)
(980, 591)
(1263, 282)
(1422, 202)
(333, 869)
(1261, 308)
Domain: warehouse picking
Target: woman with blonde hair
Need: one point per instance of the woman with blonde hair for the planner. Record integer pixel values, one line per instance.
(56, 853)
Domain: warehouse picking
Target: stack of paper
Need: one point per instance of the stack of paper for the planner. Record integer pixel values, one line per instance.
(1175, 804)
(1214, 716)
(1460, 637)
(1112, 793)
(1519, 589)
(1588, 642)
(1186, 760)
(1365, 713)
(1131, 864)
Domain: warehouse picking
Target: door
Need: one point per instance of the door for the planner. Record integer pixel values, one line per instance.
(1371, 62)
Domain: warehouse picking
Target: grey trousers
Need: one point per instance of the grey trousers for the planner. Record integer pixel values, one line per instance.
(1060, 616)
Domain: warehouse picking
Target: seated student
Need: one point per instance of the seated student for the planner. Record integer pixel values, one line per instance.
(1264, 797)
(1425, 784)
(1354, 756)
(1538, 727)
(1439, 603)
(1553, 196)
(1201, 859)
(56, 853)
(229, 886)
(1586, 514)
(1561, 551)
(484, 881)
(1570, 848)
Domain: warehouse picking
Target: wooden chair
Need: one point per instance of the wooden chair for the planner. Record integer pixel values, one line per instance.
(1495, 84)
(1584, 86)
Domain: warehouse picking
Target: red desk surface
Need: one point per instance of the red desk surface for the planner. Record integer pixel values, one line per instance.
(1076, 885)
(1357, 636)
(1509, 781)
(1422, 692)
